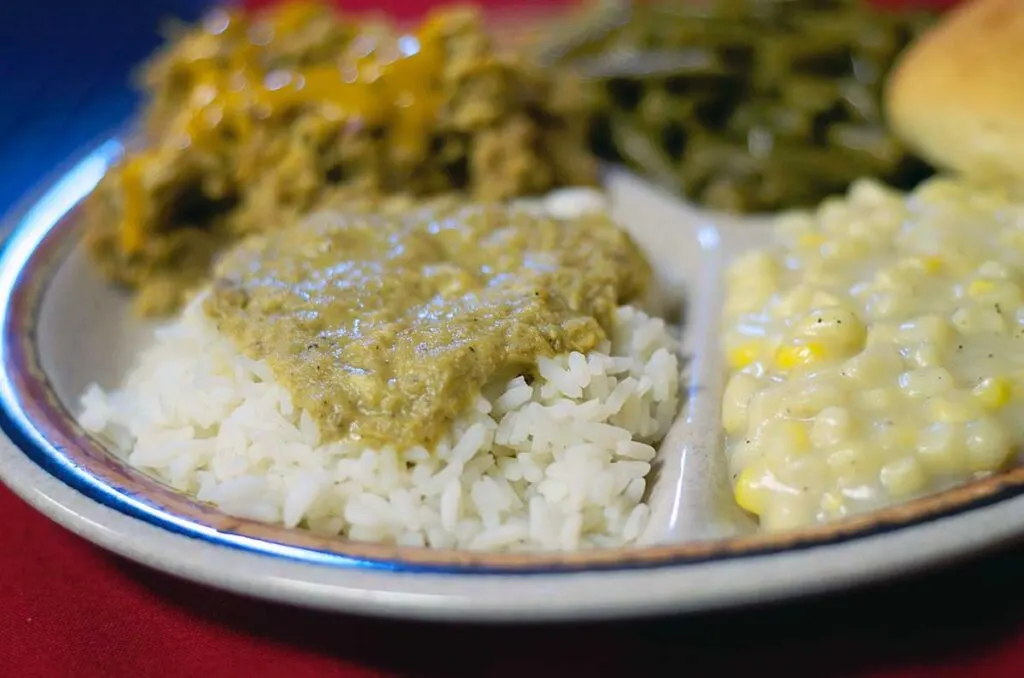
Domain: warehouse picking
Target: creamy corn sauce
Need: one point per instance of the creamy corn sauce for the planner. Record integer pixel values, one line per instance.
(385, 327)
(875, 351)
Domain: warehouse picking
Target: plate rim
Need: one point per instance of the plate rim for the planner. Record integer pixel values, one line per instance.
(79, 512)
(504, 598)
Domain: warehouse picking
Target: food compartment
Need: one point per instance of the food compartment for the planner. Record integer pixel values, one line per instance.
(750, 107)
(675, 239)
(873, 351)
(689, 492)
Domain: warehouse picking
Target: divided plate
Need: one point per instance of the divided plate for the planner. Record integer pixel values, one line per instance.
(63, 327)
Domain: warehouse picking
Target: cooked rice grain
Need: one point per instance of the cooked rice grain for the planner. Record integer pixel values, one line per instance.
(558, 464)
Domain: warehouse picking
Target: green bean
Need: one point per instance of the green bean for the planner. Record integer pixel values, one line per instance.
(749, 105)
(635, 143)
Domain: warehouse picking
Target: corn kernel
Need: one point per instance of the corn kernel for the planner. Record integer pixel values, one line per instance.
(744, 354)
(749, 491)
(789, 357)
(839, 326)
(832, 504)
(735, 400)
(925, 382)
(883, 305)
(803, 399)
(932, 263)
(978, 319)
(988, 444)
(932, 328)
(940, 448)
(880, 336)
(925, 355)
(786, 511)
(822, 299)
(994, 269)
(783, 439)
(831, 427)
(873, 365)
(810, 240)
(904, 477)
(877, 399)
(952, 407)
(854, 463)
(993, 392)
(810, 473)
(792, 302)
(897, 438)
(979, 288)
(744, 453)
(752, 266)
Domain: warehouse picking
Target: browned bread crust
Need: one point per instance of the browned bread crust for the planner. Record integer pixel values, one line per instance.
(956, 96)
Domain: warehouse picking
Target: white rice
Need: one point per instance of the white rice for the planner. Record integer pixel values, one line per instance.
(559, 464)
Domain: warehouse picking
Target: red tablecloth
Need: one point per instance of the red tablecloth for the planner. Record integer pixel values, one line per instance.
(69, 609)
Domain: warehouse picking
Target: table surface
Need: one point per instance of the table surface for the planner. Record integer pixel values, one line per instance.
(69, 609)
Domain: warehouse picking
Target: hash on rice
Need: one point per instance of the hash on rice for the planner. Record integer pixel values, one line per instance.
(561, 463)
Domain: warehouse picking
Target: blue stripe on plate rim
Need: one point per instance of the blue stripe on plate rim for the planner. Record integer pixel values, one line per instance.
(27, 226)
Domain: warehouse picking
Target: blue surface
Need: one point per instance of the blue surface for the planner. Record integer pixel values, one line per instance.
(64, 77)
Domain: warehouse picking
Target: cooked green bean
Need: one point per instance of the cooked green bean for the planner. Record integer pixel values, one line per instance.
(749, 105)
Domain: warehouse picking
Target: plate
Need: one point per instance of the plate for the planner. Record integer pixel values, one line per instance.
(63, 328)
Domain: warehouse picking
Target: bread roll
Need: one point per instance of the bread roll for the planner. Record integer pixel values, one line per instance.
(956, 96)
